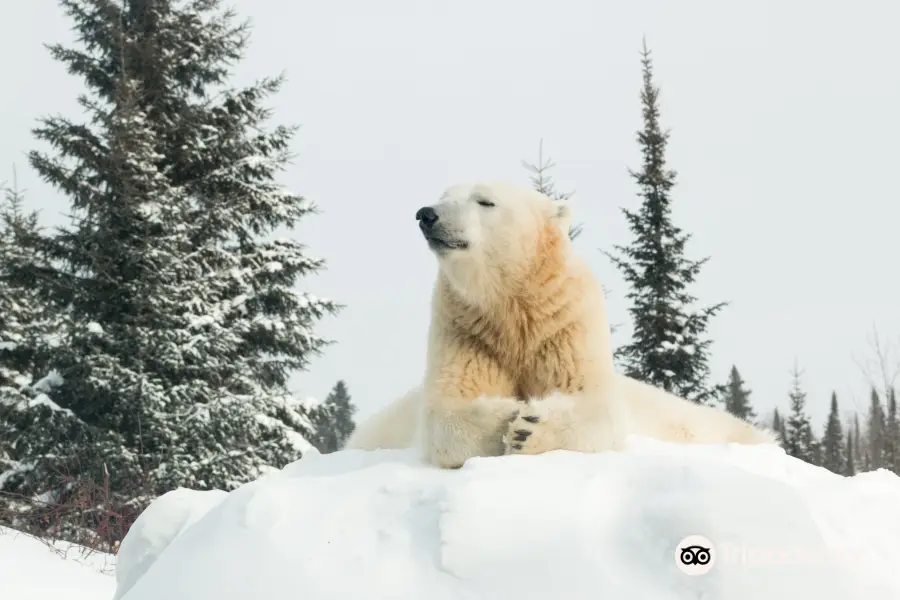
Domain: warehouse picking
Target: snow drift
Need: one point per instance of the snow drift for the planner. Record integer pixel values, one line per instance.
(380, 525)
(34, 570)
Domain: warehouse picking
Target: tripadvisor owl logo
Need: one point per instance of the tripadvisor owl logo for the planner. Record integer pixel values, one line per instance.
(695, 555)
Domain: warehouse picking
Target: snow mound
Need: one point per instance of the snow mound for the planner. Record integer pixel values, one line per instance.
(380, 525)
(32, 570)
(158, 525)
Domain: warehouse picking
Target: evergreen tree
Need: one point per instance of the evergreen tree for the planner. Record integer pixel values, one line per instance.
(668, 347)
(876, 433)
(801, 441)
(779, 428)
(850, 463)
(24, 325)
(333, 420)
(737, 398)
(185, 320)
(302, 417)
(892, 435)
(542, 181)
(36, 435)
(833, 451)
(859, 447)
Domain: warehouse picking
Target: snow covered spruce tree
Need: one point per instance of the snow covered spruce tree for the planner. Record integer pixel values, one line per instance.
(28, 329)
(876, 432)
(833, 451)
(333, 419)
(800, 441)
(892, 434)
(737, 397)
(185, 320)
(668, 347)
(850, 454)
(25, 321)
(778, 427)
(860, 448)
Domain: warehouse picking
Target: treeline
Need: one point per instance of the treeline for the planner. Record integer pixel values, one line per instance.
(846, 446)
(147, 344)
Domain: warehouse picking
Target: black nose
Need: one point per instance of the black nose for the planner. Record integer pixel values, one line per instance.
(426, 216)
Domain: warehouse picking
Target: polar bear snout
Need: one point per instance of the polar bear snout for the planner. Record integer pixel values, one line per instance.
(435, 230)
(427, 217)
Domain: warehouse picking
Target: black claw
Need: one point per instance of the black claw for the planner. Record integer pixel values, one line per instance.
(531, 419)
(521, 435)
(517, 446)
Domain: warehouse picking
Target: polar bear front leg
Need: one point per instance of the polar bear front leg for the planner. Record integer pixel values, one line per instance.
(578, 423)
(456, 429)
(468, 405)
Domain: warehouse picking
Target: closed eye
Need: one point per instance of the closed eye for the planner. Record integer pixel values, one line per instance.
(485, 202)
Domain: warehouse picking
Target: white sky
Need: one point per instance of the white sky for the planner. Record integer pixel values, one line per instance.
(784, 118)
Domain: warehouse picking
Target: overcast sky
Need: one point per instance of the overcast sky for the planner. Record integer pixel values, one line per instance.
(784, 118)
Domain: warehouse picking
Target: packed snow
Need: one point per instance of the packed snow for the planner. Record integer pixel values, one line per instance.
(160, 523)
(381, 525)
(34, 570)
(576, 526)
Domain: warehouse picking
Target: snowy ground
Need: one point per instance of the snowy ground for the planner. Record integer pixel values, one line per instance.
(379, 525)
(32, 570)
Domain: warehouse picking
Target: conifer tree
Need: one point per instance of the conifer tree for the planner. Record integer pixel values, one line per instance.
(778, 427)
(850, 463)
(24, 325)
(801, 441)
(737, 397)
(861, 463)
(864, 449)
(833, 451)
(876, 433)
(333, 419)
(669, 348)
(185, 319)
(36, 435)
(892, 435)
(542, 181)
(341, 406)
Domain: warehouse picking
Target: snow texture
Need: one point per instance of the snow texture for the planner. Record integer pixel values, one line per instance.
(32, 570)
(159, 524)
(381, 525)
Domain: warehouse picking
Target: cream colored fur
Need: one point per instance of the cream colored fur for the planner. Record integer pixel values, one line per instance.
(656, 413)
(391, 428)
(519, 353)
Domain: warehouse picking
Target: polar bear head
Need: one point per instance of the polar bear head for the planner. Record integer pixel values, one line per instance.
(487, 236)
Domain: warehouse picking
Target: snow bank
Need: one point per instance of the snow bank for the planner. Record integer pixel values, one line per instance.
(158, 525)
(380, 525)
(31, 570)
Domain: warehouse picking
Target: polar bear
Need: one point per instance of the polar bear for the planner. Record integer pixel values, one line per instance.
(519, 357)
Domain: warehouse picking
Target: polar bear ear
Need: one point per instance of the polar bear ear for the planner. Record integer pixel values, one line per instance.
(564, 216)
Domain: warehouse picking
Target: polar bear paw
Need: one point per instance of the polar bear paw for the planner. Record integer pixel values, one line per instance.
(541, 425)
